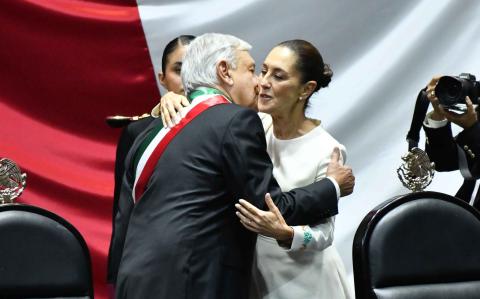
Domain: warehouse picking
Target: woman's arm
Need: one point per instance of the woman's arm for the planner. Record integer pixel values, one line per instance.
(320, 236)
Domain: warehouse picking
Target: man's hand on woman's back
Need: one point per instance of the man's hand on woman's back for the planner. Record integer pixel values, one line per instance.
(342, 174)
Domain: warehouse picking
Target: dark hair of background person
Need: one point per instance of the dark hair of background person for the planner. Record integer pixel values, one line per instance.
(309, 63)
(181, 40)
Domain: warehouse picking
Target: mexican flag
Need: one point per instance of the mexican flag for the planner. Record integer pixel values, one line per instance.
(65, 66)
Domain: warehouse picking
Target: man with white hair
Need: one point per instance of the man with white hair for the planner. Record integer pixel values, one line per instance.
(184, 239)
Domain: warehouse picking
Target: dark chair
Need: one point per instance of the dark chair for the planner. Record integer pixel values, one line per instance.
(41, 255)
(421, 245)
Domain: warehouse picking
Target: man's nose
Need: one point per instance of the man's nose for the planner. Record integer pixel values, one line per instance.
(257, 79)
(257, 86)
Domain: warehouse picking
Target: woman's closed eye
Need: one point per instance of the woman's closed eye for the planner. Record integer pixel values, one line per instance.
(278, 76)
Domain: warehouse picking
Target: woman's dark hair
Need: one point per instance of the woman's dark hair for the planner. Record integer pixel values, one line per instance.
(309, 62)
(181, 40)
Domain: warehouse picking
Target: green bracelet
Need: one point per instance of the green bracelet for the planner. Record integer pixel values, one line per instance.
(307, 237)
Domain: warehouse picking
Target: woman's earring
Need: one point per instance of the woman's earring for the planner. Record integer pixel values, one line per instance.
(300, 98)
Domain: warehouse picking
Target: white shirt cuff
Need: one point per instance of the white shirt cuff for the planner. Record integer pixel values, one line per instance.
(434, 124)
(337, 187)
(298, 238)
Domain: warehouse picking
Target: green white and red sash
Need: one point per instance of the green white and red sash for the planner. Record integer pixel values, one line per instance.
(201, 99)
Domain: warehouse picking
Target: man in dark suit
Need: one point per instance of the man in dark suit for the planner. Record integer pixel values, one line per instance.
(182, 238)
(170, 79)
(454, 153)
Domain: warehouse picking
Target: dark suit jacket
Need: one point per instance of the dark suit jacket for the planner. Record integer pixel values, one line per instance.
(442, 149)
(183, 239)
(125, 142)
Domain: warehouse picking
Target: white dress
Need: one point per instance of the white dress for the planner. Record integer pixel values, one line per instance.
(311, 268)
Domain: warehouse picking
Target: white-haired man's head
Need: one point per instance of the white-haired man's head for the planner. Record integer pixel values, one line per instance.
(221, 61)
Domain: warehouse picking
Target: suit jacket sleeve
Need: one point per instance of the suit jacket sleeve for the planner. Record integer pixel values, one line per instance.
(469, 141)
(471, 138)
(124, 144)
(249, 171)
(123, 200)
(441, 148)
(122, 217)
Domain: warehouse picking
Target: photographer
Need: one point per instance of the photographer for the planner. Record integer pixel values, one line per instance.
(451, 153)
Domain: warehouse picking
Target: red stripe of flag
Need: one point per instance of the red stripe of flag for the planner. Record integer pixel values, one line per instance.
(65, 66)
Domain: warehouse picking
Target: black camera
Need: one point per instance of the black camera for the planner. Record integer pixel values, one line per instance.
(452, 90)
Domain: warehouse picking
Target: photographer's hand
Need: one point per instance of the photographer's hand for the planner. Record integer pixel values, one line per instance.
(465, 120)
(438, 112)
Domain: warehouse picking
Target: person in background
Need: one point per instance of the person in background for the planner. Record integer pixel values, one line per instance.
(452, 153)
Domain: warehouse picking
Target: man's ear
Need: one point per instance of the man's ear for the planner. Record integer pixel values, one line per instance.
(307, 89)
(161, 78)
(223, 72)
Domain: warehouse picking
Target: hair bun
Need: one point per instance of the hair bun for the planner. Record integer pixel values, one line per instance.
(326, 76)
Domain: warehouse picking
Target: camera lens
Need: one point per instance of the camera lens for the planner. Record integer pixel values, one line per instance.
(449, 90)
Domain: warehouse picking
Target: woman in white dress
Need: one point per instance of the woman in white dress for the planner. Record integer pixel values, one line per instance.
(309, 266)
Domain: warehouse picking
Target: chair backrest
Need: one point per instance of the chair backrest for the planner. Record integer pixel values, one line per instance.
(41, 255)
(420, 245)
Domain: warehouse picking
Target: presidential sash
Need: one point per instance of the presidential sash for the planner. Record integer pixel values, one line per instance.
(202, 99)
